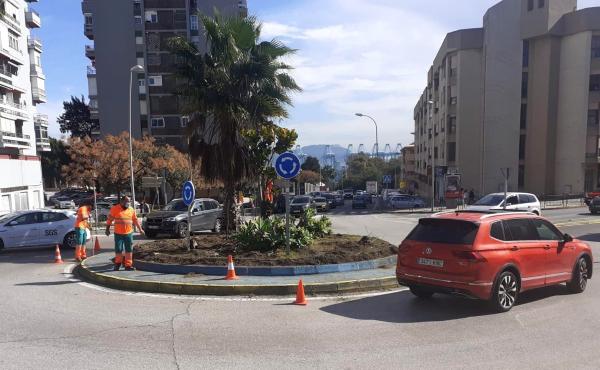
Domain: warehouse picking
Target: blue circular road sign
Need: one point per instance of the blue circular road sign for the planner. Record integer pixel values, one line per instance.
(188, 193)
(287, 165)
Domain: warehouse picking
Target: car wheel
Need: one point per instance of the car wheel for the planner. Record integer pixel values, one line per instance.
(537, 213)
(70, 240)
(181, 230)
(217, 228)
(505, 292)
(420, 292)
(581, 274)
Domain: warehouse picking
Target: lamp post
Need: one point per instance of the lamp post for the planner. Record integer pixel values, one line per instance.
(135, 69)
(430, 103)
(376, 135)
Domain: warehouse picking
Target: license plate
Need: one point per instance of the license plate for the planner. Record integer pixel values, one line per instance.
(430, 262)
(153, 227)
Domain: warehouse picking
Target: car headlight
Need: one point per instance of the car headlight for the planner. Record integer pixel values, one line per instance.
(170, 219)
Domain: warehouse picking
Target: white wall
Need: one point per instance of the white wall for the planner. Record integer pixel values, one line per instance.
(20, 174)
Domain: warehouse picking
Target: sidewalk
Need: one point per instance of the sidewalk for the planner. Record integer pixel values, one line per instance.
(99, 270)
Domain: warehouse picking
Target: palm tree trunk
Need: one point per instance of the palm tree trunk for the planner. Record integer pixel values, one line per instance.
(229, 205)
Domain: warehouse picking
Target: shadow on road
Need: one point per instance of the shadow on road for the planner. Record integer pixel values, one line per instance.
(403, 307)
(43, 255)
(590, 237)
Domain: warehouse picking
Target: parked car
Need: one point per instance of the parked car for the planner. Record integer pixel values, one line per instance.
(406, 201)
(321, 204)
(331, 200)
(301, 203)
(37, 228)
(493, 256)
(207, 214)
(348, 193)
(590, 195)
(595, 205)
(359, 202)
(63, 202)
(339, 199)
(514, 202)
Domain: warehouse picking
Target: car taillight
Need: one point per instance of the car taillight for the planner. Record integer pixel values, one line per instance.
(403, 248)
(469, 256)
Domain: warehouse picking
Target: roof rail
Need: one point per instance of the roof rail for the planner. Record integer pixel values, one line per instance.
(486, 213)
(509, 213)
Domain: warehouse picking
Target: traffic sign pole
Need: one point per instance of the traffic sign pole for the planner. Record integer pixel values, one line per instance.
(287, 166)
(189, 195)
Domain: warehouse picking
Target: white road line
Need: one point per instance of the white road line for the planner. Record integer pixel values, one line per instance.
(68, 271)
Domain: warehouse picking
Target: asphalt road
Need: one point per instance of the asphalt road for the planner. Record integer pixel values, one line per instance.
(51, 321)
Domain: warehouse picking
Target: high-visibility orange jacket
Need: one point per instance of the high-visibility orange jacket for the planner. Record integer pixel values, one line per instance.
(122, 218)
(82, 214)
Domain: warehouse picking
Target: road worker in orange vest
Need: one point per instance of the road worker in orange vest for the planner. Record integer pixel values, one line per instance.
(124, 218)
(81, 224)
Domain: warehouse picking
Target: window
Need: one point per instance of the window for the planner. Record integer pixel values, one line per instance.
(194, 22)
(452, 125)
(595, 46)
(592, 117)
(52, 217)
(524, 81)
(154, 80)
(512, 200)
(527, 198)
(27, 219)
(151, 16)
(546, 231)
(529, 5)
(433, 230)
(5, 203)
(451, 152)
(157, 122)
(497, 231)
(89, 20)
(522, 139)
(541, 3)
(526, 53)
(184, 121)
(153, 59)
(595, 83)
(523, 116)
(208, 205)
(520, 229)
(453, 100)
(13, 42)
(141, 82)
(138, 19)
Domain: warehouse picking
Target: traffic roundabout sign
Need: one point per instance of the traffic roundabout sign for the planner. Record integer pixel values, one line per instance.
(287, 165)
(188, 193)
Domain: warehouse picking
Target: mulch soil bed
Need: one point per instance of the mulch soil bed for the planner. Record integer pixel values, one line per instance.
(213, 249)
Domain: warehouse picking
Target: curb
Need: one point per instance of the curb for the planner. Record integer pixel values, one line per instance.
(266, 270)
(350, 286)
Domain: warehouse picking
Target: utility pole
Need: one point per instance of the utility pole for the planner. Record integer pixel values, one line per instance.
(506, 174)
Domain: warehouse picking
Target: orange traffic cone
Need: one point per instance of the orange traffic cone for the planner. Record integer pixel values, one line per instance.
(96, 249)
(230, 269)
(300, 298)
(57, 257)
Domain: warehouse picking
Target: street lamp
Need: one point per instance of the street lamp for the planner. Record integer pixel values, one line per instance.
(135, 69)
(376, 135)
(430, 103)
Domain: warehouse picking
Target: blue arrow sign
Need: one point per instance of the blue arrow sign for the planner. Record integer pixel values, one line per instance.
(188, 193)
(287, 165)
(387, 179)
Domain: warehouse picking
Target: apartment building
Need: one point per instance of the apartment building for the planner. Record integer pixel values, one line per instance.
(126, 33)
(407, 175)
(521, 93)
(21, 89)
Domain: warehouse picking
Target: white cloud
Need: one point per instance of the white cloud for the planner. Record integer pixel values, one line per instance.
(354, 56)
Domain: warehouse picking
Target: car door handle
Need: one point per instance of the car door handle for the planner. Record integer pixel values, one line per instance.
(546, 247)
(514, 248)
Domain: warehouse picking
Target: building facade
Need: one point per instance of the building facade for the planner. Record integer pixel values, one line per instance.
(519, 96)
(22, 87)
(136, 32)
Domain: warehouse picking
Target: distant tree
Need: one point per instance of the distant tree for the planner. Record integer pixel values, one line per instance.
(76, 118)
(308, 177)
(328, 174)
(311, 164)
(52, 163)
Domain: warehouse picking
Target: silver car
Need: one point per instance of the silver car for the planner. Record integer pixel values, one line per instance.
(207, 214)
(37, 228)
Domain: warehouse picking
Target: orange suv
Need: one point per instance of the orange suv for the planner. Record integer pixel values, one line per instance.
(490, 256)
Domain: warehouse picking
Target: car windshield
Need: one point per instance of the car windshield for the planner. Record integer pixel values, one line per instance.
(7, 217)
(443, 231)
(176, 205)
(300, 200)
(320, 200)
(490, 200)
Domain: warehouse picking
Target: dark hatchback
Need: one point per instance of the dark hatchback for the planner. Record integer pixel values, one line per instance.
(595, 206)
(300, 204)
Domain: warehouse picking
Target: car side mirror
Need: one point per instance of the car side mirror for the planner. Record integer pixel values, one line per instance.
(567, 238)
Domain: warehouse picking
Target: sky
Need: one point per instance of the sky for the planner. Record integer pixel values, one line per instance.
(367, 56)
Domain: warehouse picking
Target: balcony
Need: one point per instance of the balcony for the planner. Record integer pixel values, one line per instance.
(11, 22)
(34, 43)
(591, 158)
(88, 31)
(12, 139)
(43, 144)
(32, 19)
(90, 52)
(39, 95)
(91, 71)
(40, 120)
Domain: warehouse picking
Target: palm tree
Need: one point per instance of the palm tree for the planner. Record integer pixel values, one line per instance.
(239, 84)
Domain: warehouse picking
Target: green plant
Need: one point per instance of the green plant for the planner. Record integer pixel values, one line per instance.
(318, 227)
